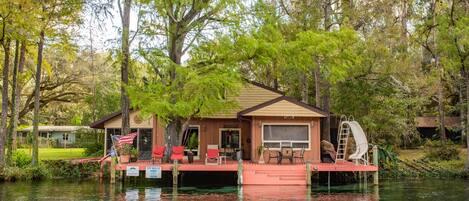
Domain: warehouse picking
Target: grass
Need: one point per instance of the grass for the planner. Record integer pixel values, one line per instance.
(415, 154)
(58, 153)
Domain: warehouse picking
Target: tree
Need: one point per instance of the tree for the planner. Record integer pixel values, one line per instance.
(125, 40)
(177, 92)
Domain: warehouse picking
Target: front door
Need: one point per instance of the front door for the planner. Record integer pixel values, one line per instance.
(144, 143)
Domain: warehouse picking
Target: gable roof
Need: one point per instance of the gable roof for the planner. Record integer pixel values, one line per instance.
(100, 123)
(283, 106)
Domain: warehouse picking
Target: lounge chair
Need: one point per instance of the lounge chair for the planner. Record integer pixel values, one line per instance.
(212, 154)
(158, 153)
(177, 153)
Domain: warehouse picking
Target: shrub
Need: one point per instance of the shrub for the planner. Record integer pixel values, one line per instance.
(94, 149)
(25, 173)
(438, 150)
(66, 169)
(21, 159)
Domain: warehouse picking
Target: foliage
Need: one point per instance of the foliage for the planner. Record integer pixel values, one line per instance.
(193, 142)
(125, 149)
(94, 149)
(24, 173)
(21, 159)
(66, 169)
(439, 150)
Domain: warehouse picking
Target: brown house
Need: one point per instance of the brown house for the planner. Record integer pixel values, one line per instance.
(265, 116)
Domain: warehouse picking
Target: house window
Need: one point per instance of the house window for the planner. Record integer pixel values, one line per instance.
(191, 139)
(65, 137)
(230, 138)
(286, 135)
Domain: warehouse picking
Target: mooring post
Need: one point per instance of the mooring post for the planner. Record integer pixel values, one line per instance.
(240, 172)
(308, 174)
(175, 173)
(329, 181)
(375, 162)
(113, 170)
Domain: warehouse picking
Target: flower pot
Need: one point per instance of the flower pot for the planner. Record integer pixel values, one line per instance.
(190, 157)
(124, 158)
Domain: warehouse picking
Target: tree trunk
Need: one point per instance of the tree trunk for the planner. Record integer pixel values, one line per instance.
(441, 109)
(18, 90)
(125, 102)
(172, 135)
(317, 86)
(37, 93)
(304, 88)
(3, 122)
(326, 134)
(466, 166)
(9, 140)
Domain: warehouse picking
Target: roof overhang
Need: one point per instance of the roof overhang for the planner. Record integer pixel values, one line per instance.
(284, 106)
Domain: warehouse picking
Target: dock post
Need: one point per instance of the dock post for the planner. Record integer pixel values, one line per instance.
(375, 162)
(329, 181)
(113, 170)
(175, 173)
(308, 174)
(240, 172)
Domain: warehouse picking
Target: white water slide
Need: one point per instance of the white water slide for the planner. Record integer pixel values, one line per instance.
(361, 153)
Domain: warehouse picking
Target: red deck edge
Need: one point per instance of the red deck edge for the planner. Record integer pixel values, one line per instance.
(232, 166)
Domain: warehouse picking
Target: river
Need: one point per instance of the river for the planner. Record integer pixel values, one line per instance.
(404, 189)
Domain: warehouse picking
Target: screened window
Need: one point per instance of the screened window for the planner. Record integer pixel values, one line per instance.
(277, 136)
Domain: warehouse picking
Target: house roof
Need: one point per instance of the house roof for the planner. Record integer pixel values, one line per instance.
(283, 106)
(56, 128)
(254, 96)
(432, 122)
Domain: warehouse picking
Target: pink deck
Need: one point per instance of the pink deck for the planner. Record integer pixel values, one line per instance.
(232, 166)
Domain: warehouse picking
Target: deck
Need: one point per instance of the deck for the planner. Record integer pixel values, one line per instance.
(260, 174)
(232, 166)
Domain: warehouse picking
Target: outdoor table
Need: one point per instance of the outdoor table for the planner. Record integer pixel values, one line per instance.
(281, 156)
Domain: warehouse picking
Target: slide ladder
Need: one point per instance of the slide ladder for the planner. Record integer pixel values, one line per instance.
(344, 133)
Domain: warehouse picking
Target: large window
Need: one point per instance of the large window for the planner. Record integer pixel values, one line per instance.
(191, 139)
(285, 135)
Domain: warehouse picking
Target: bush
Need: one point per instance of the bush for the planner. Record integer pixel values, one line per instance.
(21, 159)
(66, 169)
(95, 149)
(438, 150)
(25, 173)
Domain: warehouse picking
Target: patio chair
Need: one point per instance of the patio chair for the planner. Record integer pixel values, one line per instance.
(287, 153)
(299, 155)
(272, 154)
(212, 154)
(177, 153)
(158, 153)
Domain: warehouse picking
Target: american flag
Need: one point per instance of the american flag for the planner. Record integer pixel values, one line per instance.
(120, 140)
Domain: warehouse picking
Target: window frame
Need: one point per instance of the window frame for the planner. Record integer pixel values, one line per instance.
(227, 129)
(290, 141)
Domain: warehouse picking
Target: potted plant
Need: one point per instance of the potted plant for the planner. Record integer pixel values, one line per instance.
(260, 151)
(192, 145)
(124, 153)
(133, 155)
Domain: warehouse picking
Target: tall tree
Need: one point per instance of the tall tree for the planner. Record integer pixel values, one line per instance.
(125, 39)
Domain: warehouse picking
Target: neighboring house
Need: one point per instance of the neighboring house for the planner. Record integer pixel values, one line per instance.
(428, 127)
(60, 136)
(265, 117)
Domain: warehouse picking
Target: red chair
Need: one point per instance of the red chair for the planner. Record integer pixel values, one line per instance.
(177, 153)
(158, 153)
(212, 154)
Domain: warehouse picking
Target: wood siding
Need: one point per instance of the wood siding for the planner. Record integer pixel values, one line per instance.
(312, 155)
(284, 108)
(135, 121)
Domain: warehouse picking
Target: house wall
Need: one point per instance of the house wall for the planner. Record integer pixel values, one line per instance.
(135, 121)
(312, 155)
(210, 133)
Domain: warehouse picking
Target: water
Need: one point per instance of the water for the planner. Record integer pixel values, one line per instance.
(405, 189)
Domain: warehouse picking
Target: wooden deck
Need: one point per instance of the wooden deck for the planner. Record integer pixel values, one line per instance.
(232, 166)
(261, 174)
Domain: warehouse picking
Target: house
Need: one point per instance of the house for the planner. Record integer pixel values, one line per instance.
(428, 126)
(265, 116)
(57, 136)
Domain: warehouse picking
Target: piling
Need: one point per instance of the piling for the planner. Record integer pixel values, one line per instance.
(375, 162)
(240, 172)
(175, 173)
(308, 174)
(113, 170)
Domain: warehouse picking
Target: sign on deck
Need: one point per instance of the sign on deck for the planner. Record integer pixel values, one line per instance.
(132, 171)
(153, 172)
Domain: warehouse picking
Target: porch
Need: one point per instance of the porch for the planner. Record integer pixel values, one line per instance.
(251, 173)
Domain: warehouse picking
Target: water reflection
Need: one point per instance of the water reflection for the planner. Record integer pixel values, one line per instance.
(408, 189)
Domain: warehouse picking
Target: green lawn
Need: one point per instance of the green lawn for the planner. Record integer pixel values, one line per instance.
(57, 153)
